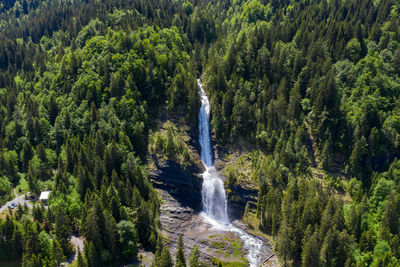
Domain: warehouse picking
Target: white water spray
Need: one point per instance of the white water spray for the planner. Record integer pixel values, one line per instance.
(213, 192)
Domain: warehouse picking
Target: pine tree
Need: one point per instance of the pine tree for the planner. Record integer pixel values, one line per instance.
(81, 260)
(246, 212)
(93, 113)
(57, 255)
(27, 154)
(53, 109)
(67, 121)
(159, 248)
(327, 153)
(195, 257)
(357, 157)
(92, 255)
(17, 242)
(117, 85)
(63, 231)
(180, 256)
(310, 254)
(165, 258)
(32, 177)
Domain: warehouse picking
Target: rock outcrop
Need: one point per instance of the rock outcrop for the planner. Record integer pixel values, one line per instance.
(183, 184)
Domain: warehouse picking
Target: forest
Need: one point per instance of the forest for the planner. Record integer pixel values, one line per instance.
(311, 87)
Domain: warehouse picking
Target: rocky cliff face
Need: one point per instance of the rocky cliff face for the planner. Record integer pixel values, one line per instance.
(175, 164)
(184, 184)
(238, 197)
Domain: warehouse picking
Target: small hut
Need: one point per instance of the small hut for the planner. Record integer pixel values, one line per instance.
(44, 197)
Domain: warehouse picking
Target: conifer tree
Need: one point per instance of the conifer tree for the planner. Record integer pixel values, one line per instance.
(165, 258)
(195, 257)
(53, 109)
(57, 254)
(63, 231)
(180, 256)
(159, 248)
(81, 260)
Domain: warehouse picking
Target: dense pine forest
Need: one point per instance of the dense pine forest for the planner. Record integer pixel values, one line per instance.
(310, 89)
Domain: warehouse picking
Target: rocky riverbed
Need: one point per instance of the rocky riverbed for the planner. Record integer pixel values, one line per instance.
(213, 244)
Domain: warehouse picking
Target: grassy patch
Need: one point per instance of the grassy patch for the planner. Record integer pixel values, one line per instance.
(223, 253)
(236, 245)
(22, 186)
(216, 261)
(217, 244)
(171, 142)
(228, 247)
(241, 168)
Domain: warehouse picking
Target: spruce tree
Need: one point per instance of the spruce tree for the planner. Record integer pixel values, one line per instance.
(194, 258)
(81, 261)
(165, 258)
(180, 256)
(53, 109)
(159, 248)
(57, 255)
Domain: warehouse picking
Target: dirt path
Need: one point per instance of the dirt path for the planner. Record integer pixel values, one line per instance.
(77, 243)
(19, 200)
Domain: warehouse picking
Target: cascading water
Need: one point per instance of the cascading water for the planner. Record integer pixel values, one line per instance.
(213, 192)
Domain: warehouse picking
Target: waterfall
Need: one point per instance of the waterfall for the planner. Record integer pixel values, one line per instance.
(213, 191)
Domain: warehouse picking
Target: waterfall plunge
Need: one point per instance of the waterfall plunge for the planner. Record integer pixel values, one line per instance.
(213, 192)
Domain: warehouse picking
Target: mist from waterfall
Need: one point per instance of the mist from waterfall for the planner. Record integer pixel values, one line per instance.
(213, 191)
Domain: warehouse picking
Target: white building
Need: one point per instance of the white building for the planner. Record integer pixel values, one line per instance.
(44, 196)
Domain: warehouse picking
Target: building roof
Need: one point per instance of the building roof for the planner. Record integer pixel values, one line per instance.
(44, 195)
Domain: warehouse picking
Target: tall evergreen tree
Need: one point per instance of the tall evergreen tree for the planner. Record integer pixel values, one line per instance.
(195, 257)
(57, 254)
(180, 256)
(165, 258)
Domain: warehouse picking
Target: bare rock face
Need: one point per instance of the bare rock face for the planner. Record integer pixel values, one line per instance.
(182, 184)
(238, 197)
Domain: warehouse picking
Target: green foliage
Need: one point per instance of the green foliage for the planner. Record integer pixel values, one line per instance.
(81, 262)
(253, 11)
(165, 258)
(5, 189)
(194, 258)
(180, 256)
(171, 143)
(218, 262)
(128, 239)
(57, 256)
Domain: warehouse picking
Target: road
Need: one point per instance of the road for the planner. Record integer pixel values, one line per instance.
(19, 200)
